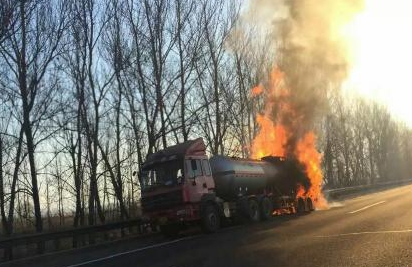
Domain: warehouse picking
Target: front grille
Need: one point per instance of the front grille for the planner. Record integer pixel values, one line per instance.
(162, 201)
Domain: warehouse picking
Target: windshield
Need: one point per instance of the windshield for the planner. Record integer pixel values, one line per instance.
(163, 174)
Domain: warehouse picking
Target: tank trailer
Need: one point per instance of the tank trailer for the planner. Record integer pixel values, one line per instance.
(181, 186)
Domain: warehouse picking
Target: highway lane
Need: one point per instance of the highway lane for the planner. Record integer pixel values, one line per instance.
(370, 230)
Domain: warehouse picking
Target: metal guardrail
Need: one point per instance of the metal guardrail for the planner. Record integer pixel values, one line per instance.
(7, 244)
(339, 192)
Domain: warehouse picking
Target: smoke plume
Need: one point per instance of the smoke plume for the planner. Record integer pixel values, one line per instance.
(312, 56)
(311, 59)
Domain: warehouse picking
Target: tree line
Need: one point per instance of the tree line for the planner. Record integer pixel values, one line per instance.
(89, 88)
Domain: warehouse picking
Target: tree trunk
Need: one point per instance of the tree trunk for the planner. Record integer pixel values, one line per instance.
(27, 126)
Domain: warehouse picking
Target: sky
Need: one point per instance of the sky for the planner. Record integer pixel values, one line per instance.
(381, 45)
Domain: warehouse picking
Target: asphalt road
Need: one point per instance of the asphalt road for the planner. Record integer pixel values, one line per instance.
(370, 230)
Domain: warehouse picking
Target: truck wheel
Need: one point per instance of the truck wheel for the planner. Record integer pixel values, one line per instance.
(309, 204)
(210, 219)
(169, 230)
(301, 206)
(254, 213)
(266, 208)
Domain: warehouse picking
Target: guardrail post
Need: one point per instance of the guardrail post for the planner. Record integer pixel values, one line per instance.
(57, 243)
(74, 241)
(92, 238)
(40, 247)
(122, 233)
(8, 254)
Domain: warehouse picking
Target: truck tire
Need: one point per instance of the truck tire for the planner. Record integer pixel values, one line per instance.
(210, 219)
(169, 230)
(266, 208)
(309, 204)
(300, 209)
(253, 210)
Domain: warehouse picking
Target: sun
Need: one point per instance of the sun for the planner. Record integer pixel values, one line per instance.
(380, 43)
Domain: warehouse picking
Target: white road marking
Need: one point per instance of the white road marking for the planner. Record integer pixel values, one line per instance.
(367, 207)
(365, 233)
(132, 251)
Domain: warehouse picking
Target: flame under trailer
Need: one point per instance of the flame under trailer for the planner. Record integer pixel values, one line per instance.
(181, 187)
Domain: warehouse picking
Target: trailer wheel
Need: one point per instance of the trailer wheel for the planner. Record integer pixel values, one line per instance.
(266, 208)
(210, 219)
(254, 212)
(169, 230)
(301, 206)
(309, 204)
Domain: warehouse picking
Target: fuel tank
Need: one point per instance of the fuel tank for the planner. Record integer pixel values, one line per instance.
(235, 176)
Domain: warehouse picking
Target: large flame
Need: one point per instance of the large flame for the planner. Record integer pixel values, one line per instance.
(273, 137)
(308, 155)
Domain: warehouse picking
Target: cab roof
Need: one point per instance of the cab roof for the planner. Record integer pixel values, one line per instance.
(194, 147)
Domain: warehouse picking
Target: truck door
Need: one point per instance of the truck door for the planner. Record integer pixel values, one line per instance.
(207, 172)
(196, 183)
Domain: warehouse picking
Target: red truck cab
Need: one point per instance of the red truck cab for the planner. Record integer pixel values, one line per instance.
(174, 182)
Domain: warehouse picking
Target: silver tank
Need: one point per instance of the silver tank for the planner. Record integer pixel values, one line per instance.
(234, 176)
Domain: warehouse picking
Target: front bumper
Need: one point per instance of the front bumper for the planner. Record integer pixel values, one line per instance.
(178, 214)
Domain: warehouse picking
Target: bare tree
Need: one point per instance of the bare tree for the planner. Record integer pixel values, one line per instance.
(211, 81)
(28, 54)
(8, 18)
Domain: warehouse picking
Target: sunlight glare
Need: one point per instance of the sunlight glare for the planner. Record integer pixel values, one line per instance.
(381, 55)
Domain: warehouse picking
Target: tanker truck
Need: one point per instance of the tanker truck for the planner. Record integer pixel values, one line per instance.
(181, 186)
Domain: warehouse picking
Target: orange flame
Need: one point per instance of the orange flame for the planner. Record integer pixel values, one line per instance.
(308, 155)
(257, 90)
(269, 133)
(300, 191)
(273, 137)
